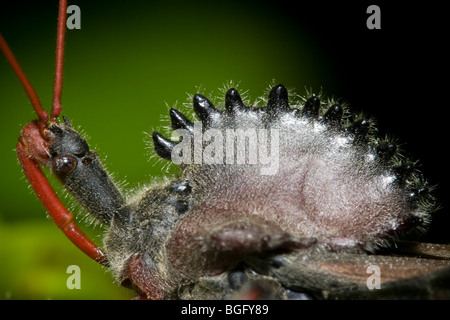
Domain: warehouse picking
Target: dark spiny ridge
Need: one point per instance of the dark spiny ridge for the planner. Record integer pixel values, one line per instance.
(334, 115)
(359, 128)
(416, 221)
(277, 104)
(420, 194)
(204, 108)
(404, 171)
(163, 146)
(311, 108)
(233, 101)
(179, 121)
(386, 150)
(278, 100)
(419, 191)
(67, 121)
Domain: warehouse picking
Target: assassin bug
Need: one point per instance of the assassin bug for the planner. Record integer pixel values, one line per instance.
(277, 267)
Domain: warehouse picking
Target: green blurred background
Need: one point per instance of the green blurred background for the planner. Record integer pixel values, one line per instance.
(128, 63)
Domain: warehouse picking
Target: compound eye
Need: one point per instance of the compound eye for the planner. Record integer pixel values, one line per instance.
(64, 164)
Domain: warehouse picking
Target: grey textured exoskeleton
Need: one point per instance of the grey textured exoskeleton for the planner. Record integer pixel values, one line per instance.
(306, 224)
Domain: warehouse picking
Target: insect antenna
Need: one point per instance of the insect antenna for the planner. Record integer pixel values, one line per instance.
(41, 113)
(57, 89)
